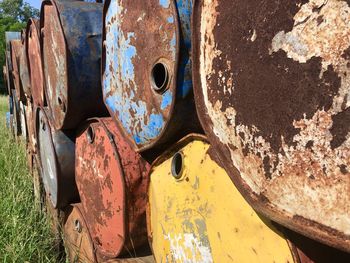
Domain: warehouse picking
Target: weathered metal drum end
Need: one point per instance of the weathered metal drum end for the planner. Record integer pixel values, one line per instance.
(35, 70)
(9, 36)
(16, 115)
(30, 120)
(112, 182)
(146, 67)
(57, 155)
(22, 113)
(76, 235)
(71, 60)
(272, 91)
(23, 68)
(16, 49)
(196, 214)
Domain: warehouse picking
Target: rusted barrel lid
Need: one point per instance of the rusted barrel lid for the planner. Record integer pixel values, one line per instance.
(16, 50)
(146, 70)
(22, 113)
(30, 119)
(57, 155)
(16, 115)
(71, 49)
(34, 60)
(112, 183)
(271, 87)
(76, 235)
(23, 68)
(9, 36)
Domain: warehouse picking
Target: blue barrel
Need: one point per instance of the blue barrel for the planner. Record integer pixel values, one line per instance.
(146, 67)
(71, 50)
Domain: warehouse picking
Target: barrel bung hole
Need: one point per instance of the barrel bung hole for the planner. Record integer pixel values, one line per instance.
(159, 77)
(177, 165)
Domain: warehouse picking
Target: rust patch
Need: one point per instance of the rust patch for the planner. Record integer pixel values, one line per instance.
(112, 182)
(271, 86)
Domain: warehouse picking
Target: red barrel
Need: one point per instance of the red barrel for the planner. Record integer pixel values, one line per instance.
(33, 53)
(16, 49)
(112, 183)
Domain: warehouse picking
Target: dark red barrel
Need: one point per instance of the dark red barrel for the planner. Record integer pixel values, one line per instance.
(16, 49)
(112, 182)
(71, 49)
(271, 82)
(35, 70)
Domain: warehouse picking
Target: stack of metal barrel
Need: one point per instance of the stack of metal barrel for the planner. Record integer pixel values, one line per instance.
(188, 131)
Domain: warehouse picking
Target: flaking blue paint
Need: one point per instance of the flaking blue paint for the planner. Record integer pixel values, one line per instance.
(170, 19)
(142, 124)
(164, 3)
(167, 100)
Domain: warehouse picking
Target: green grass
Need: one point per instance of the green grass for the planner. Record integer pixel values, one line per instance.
(24, 229)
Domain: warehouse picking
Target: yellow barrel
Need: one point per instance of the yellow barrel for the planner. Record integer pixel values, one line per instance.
(196, 214)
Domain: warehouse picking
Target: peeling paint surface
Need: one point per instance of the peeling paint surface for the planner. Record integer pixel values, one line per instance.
(76, 236)
(71, 61)
(273, 99)
(33, 49)
(112, 182)
(189, 222)
(130, 53)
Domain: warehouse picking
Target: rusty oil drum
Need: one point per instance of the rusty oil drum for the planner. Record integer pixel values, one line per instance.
(23, 68)
(56, 150)
(35, 70)
(71, 32)
(196, 214)
(22, 114)
(30, 120)
(9, 36)
(76, 235)
(16, 50)
(112, 183)
(272, 94)
(16, 122)
(146, 68)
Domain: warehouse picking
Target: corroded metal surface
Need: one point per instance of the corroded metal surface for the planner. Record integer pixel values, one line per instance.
(147, 85)
(76, 236)
(16, 49)
(16, 122)
(30, 120)
(57, 153)
(71, 60)
(22, 113)
(112, 183)
(272, 92)
(35, 70)
(196, 214)
(23, 68)
(9, 36)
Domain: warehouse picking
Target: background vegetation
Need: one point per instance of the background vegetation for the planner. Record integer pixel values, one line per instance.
(25, 234)
(14, 15)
